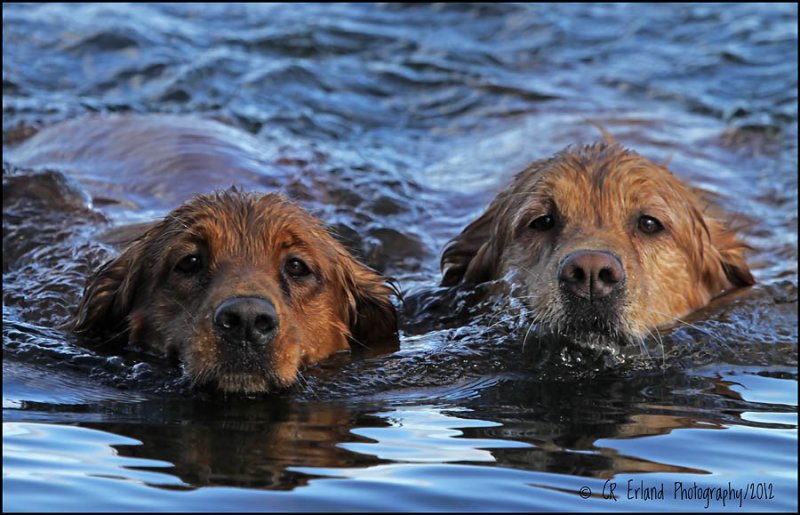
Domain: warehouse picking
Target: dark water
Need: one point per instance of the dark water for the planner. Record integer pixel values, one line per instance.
(397, 124)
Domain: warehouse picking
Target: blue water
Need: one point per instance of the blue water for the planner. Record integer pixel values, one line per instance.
(413, 116)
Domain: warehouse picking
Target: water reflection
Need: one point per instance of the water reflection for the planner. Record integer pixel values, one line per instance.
(576, 429)
(230, 443)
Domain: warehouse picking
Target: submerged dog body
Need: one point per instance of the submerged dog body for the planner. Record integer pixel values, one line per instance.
(605, 244)
(244, 288)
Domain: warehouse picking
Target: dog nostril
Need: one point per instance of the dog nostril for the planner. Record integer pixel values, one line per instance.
(578, 275)
(264, 323)
(572, 274)
(229, 321)
(608, 276)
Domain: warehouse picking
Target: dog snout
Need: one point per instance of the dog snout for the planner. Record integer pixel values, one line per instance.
(590, 274)
(246, 320)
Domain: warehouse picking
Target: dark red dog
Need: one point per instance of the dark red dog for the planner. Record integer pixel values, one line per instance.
(246, 289)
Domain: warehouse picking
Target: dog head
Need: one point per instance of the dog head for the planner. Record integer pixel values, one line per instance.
(245, 289)
(606, 245)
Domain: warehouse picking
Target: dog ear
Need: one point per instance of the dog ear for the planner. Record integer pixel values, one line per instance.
(725, 267)
(472, 256)
(731, 252)
(109, 293)
(372, 317)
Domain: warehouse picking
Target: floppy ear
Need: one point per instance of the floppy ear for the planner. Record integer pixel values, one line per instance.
(372, 316)
(727, 265)
(472, 256)
(109, 294)
(731, 252)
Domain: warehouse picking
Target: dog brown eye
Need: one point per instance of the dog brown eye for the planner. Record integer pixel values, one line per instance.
(189, 265)
(296, 268)
(543, 223)
(649, 225)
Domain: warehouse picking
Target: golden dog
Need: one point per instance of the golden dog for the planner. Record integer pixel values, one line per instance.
(605, 244)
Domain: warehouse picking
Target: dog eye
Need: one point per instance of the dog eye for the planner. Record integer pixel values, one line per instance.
(650, 225)
(543, 223)
(296, 268)
(189, 265)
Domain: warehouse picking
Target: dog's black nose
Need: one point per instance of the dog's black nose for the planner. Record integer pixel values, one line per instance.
(590, 274)
(246, 320)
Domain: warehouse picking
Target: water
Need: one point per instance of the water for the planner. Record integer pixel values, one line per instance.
(397, 124)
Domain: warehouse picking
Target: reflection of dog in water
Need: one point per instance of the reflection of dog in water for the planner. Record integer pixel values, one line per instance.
(605, 244)
(244, 288)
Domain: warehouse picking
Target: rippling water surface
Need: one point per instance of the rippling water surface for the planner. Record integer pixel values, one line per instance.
(397, 124)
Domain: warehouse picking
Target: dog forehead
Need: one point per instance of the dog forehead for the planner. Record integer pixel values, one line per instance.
(235, 220)
(590, 184)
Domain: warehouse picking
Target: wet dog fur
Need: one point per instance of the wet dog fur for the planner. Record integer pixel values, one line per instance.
(605, 244)
(245, 289)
